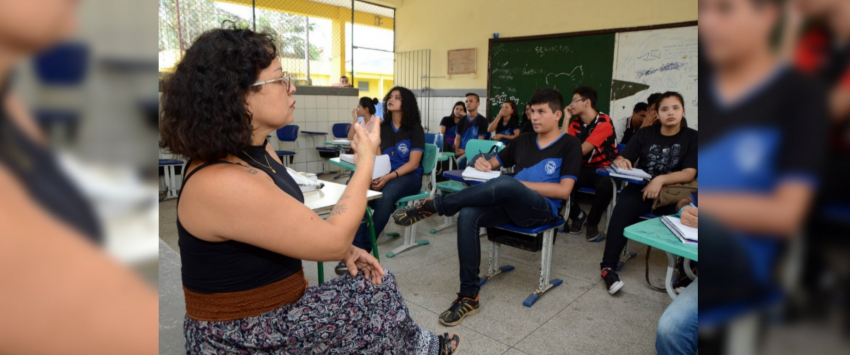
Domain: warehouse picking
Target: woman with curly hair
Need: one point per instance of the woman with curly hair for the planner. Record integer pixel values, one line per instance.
(243, 227)
(403, 139)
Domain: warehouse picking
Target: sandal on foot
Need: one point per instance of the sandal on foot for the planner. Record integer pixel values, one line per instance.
(446, 342)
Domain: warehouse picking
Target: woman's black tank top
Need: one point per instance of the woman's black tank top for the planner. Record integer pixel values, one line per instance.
(37, 169)
(233, 266)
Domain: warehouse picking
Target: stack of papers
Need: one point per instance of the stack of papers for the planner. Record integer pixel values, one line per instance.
(348, 158)
(382, 164)
(687, 235)
(341, 141)
(472, 174)
(633, 173)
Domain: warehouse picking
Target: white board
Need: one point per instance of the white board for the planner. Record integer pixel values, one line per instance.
(666, 60)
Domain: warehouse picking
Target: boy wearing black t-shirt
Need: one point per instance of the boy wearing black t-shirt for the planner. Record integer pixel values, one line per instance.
(472, 126)
(547, 164)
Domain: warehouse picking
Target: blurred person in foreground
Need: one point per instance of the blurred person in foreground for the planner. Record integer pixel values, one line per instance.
(59, 293)
(244, 229)
(816, 38)
(760, 150)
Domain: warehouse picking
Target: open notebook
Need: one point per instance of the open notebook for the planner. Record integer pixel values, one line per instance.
(382, 164)
(632, 173)
(472, 174)
(687, 235)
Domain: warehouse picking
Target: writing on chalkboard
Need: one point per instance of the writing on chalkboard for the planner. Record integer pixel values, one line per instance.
(542, 50)
(663, 68)
(573, 75)
(499, 99)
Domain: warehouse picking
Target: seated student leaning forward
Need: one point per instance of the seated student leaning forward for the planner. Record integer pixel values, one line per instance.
(547, 163)
(243, 227)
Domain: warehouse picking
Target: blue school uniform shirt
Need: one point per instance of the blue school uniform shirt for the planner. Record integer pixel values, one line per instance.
(774, 134)
(507, 129)
(469, 129)
(559, 160)
(399, 143)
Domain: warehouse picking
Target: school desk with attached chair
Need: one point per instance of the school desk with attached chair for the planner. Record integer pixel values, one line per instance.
(548, 231)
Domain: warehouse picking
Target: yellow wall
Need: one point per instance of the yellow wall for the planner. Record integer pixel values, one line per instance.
(441, 25)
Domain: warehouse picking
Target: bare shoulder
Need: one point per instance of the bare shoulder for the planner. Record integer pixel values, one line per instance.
(218, 193)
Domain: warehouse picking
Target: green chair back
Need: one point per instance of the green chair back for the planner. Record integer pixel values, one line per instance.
(429, 161)
(476, 146)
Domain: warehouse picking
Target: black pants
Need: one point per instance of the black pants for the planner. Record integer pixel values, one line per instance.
(630, 206)
(587, 177)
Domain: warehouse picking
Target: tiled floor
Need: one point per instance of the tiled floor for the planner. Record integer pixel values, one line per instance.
(578, 317)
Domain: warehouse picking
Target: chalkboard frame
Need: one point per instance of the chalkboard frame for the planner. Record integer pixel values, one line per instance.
(491, 41)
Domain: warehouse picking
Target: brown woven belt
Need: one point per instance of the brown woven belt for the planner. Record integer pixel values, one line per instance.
(243, 304)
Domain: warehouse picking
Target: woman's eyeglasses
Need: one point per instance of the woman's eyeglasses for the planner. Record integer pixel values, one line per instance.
(286, 78)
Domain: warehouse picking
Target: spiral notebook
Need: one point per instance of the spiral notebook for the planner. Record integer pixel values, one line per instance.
(473, 174)
(687, 235)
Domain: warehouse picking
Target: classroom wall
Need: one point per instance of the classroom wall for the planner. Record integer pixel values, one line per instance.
(315, 112)
(442, 25)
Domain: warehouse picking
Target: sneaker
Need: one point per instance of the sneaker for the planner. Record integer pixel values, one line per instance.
(341, 269)
(461, 307)
(591, 233)
(409, 215)
(611, 280)
(577, 224)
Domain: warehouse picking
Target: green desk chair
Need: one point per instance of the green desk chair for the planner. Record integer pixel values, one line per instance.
(429, 164)
(473, 147)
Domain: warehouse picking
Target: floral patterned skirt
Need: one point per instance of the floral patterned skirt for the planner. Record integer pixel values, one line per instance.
(347, 315)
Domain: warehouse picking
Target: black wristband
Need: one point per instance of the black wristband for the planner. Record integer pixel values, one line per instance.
(396, 174)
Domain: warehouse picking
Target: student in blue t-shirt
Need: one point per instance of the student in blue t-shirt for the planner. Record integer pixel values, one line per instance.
(547, 163)
(471, 126)
(762, 150)
(403, 139)
(448, 126)
(505, 127)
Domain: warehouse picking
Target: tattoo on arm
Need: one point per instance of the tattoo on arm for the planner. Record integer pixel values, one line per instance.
(339, 209)
(252, 171)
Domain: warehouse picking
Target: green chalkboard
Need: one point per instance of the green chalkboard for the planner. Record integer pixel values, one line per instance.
(518, 67)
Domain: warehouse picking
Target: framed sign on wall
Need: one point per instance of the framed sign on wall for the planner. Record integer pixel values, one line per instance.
(462, 61)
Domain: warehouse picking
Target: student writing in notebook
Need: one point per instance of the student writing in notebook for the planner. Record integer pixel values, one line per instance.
(595, 131)
(506, 124)
(403, 139)
(668, 152)
(547, 163)
(471, 126)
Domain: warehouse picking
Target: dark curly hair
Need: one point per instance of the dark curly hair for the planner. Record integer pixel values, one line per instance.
(410, 115)
(204, 114)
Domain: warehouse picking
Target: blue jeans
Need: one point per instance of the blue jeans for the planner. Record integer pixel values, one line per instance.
(383, 207)
(677, 329)
(496, 202)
